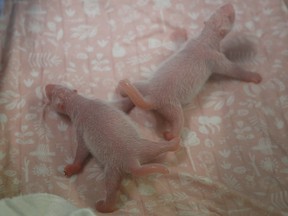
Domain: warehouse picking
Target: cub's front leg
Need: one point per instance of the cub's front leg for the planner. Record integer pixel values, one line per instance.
(221, 65)
(82, 154)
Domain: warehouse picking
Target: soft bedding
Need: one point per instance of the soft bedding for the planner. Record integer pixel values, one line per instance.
(234, 154)
(41, 204)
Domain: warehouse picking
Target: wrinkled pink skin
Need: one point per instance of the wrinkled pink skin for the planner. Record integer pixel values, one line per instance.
(180, 78)
(107, 134)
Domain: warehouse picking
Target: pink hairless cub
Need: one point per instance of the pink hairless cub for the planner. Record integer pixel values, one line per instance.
(109, 135)
(180, 78)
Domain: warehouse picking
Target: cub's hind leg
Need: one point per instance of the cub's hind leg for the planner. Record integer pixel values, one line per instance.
(112, 184)
(174, 115)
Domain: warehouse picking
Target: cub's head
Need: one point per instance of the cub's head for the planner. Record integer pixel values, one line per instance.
(221, 22)
(58, 95)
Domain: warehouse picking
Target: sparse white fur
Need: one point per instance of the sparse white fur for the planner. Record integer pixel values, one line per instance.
(110, 136)
(180, 78)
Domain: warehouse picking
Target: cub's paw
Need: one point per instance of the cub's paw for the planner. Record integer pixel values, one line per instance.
(168, 135)
(101, 206)
(72, 169)
(256, 78)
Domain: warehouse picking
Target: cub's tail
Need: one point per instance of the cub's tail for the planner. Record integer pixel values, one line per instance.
(135, 96)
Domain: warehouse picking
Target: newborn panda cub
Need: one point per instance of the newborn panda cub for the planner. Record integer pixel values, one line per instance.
(109, 135)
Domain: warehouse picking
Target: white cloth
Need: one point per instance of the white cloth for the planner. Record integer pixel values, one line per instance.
(41, 204)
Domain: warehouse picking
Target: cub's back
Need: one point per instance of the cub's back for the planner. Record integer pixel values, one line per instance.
(109, 135)
(106, 119)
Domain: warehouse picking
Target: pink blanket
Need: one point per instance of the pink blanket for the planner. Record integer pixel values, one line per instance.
(233, 159)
